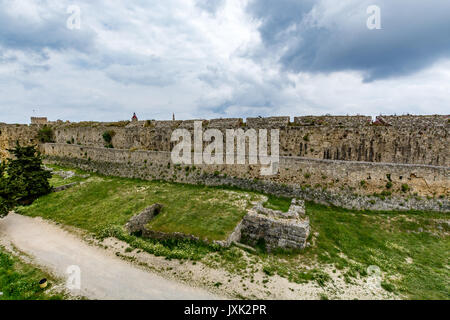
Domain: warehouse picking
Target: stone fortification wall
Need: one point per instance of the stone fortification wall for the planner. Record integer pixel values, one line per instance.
(404, 139)
(270, 122)
(418, 121)
(11, 133)
(332, 121)
(340, 183)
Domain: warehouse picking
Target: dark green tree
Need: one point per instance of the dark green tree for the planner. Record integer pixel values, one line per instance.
(22, 179)
(5, 197)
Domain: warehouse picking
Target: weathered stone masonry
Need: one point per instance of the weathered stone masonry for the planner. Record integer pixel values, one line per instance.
(275, 228)
(11, 133)
(290, 181)
(402, 139)
(278, 229)
(406, 156)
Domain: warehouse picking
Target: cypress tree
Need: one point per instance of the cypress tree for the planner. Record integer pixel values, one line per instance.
(23, 178)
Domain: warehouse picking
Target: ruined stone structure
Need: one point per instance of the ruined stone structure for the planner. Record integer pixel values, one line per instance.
(287, 230)
(137, 223)
(278, 229)
(322, 157)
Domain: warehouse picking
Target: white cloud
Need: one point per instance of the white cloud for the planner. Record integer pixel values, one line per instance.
(155, 58)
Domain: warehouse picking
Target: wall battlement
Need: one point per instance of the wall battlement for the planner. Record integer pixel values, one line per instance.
(270, 122)
(332, 121)
(418, 121)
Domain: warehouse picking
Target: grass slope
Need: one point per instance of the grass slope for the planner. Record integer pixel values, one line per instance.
(100, 202)
(20, 281)
(412, 249)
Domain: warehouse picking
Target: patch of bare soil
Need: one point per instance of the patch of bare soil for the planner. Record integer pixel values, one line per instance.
(260, 286)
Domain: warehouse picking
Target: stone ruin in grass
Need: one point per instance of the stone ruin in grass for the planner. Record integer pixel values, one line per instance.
(277, 229)
(136, 225)
(287, 230)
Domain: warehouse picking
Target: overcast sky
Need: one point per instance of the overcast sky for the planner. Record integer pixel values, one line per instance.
(222, 58)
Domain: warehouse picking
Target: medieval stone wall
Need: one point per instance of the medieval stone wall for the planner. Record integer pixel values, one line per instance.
(317, 180)
(11, 133)
(270, 122)
(332, 121)
(418, 121)
(400, 156)
(410, 139)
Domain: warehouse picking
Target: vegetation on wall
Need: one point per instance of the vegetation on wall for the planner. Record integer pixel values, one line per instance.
(45, 134)
(107, 137)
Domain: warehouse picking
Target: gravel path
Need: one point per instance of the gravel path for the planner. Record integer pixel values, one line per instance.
(103, 275)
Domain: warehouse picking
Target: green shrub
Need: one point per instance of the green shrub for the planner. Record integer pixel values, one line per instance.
(386, 193)
(45, 135)
(107, 137)
(269, 270)
(389, 185)
(387, 286)
(405, 187)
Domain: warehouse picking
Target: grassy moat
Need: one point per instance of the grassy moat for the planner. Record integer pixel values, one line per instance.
(411, 248)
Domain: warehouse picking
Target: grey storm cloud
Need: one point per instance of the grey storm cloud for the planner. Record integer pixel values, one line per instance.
(323, 36)
(50, 32)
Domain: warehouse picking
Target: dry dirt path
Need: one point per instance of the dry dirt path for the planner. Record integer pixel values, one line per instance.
(103, 275)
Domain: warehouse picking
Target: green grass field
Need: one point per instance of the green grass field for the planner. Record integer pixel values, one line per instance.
(20, 281)
(57, 181)
(411, 248)
(204, 212)
(100, 202)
